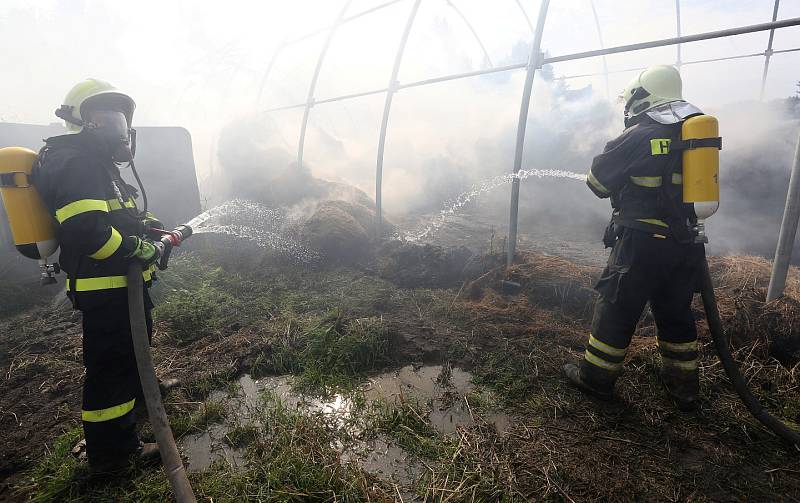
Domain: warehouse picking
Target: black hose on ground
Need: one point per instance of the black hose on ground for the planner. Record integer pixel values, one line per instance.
(732, 369)
(170, 458)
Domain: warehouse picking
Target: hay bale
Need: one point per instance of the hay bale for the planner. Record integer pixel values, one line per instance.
(336, 233)
(741, 287)
(556, 283)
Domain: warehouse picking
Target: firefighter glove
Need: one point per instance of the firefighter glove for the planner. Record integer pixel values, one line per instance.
(147, 251)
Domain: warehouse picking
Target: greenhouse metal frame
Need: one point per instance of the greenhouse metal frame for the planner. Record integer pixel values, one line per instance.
(537, 60)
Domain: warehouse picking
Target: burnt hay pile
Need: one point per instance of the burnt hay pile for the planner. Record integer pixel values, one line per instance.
(767, 329)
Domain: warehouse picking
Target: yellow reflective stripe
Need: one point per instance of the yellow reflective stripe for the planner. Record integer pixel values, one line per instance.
(595, 360)
(596, 183)
(110, 247)
(678, 347)
(77, 207)
(646, 181)
(659, 146)
(105, 282)
(97, 416)
(605, 348)
(653, 221)
(677, 179)
(114, 204)
(679, 364)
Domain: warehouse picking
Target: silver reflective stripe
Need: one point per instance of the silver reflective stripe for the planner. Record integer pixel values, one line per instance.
(646, 181)
(673, 112)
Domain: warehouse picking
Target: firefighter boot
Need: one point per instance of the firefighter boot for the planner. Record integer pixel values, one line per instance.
(589, 380)
(682, 386)
(168, 385)
(146, 453)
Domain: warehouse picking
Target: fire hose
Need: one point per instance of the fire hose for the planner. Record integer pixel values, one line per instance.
(170, 457)
(732, 369)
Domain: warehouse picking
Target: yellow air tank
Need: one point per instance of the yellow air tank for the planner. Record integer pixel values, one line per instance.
(701, 168)
(31, 224)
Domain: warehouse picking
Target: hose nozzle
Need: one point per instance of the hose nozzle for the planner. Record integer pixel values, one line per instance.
(171, 239)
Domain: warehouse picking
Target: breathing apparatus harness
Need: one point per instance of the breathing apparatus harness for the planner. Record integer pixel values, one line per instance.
(699, 145)
(123, 148)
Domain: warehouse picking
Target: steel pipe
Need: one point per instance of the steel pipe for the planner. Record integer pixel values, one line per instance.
(268, 71)
(525, 15)
(387, 107)
(345, 20)
(678, 61)
(534, 61)
(472, 29)
(602, 46)
(742, 30)
(313, 86)
(791, 213)
(591, 54)
(768, 51)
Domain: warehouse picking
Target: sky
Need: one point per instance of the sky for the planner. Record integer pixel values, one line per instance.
(201, 64)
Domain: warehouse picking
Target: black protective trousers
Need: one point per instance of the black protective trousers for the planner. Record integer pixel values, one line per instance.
(111, 387)
(644, 267)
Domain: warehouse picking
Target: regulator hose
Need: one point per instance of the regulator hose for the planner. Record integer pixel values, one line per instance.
(170, 457)
(732, 369)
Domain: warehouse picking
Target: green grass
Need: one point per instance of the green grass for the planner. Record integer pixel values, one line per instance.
(291, 459)
(406, 422)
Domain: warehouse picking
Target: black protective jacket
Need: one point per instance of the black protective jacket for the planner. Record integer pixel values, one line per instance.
(642, 172)
(95, 212)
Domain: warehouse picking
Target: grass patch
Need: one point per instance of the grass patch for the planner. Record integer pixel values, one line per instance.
(407, 424)
(214, 380)
(334, 352)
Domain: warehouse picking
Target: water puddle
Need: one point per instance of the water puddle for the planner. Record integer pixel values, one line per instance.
(205, 448)
(445, 390)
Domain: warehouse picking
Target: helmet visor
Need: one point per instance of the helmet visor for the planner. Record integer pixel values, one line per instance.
(111, 132)
(113, 124)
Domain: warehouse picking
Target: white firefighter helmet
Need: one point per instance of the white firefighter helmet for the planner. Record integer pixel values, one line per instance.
(655, 86)
(93, 93)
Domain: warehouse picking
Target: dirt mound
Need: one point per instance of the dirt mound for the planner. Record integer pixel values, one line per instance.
(335, 231)
(410, 265)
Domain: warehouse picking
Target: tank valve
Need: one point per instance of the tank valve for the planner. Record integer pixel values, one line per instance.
(48, 273)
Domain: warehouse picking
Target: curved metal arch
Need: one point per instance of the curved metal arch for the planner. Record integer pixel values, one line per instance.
(387, 107)
(678, 57)
(602, 46)
(312, 87)
(525, 15)
(472, 29)
(769, 52)
(268, 70)
(534, 61)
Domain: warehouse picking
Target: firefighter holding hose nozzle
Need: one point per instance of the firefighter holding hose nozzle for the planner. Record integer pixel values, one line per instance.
(661, 177)
(100, 230)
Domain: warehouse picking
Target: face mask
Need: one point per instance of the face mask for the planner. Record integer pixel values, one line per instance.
(110, 132)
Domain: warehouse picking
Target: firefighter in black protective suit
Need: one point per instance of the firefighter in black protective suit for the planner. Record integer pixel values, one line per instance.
(100, 230)
(654, 256)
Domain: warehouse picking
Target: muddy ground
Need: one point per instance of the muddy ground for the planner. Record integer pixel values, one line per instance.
(327, 331)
